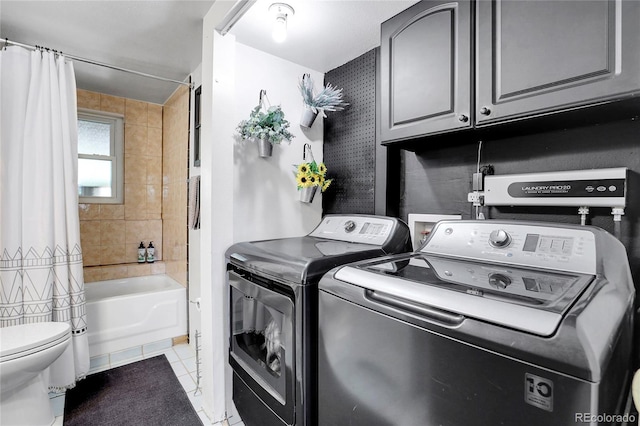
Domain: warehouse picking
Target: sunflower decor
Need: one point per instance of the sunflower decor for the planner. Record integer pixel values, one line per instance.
(309, 177)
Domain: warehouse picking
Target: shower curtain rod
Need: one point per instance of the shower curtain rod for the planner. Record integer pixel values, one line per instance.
(92, 62)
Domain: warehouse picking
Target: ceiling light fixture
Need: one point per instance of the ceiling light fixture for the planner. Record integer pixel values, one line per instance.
(281, 11)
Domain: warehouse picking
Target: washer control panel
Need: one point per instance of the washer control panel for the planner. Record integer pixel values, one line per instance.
(550, 247)
(355, 229)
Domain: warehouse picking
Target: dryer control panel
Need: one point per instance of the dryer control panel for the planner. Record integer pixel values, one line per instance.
(525, 244)
(356, 229)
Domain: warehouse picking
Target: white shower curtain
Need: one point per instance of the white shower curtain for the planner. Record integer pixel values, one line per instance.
(41, 276)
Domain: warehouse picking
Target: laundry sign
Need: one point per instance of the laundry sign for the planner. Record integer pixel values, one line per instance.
(568, 188)
(593, 188)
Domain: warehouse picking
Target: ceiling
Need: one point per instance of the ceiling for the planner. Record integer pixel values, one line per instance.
(322, 34)
(164, 37)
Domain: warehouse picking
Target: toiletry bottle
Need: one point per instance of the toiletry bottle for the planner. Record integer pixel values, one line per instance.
(151, 253)
(141, 253)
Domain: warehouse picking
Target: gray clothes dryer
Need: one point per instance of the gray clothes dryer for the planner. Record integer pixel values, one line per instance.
(273, 307)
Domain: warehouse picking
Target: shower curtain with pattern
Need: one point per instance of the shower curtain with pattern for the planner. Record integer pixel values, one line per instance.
(41, 276)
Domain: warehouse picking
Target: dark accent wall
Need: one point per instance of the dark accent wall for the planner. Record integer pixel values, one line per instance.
(350, 138)
(438, 178)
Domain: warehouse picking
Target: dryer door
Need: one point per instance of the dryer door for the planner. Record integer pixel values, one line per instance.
(262, 342)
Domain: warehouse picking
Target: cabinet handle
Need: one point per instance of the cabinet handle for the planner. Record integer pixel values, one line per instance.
(463, 118)
(485, 111)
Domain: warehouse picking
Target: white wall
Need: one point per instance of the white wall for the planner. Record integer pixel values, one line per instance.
(265, 200)
(218, 97)
(195, 322)
(243, 197)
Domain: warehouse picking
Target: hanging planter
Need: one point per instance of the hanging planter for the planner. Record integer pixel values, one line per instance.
(328, 99)
(266, 125)
(265, 148)
(310, 176)
(308, 117)
(307, 194)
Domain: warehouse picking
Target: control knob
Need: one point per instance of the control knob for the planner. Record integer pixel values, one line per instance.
(499, 238)
(349, 226)
(499, 281)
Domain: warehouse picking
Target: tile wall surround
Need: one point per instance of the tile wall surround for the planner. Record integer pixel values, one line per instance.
(175, 163)
(110, 234)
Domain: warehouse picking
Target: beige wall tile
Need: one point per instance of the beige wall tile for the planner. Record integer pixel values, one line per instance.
(155, 115)
(89, 233)
(112, 254)
(92, 274)
(114, 272)
(112, 232)
(112, 104)
(155, 228)
(89, 100)
(89, 211)
(136, 202)
(135, 169)
(154, 142)
(91, 255)
(131, 252)
(154, 170)
(154, 201)
(177, 271)
(135, 231)
(175, 135)
(111, 211)
(135, 139)
(136, 112)
(139, 270)
(158, 268)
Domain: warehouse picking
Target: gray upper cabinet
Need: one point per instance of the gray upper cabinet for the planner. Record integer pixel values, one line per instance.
(426, 70)
(534, 57)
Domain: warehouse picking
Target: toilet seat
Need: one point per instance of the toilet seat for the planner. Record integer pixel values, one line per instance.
(21, 340)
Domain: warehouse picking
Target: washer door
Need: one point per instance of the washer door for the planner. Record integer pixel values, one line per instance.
(530, 300)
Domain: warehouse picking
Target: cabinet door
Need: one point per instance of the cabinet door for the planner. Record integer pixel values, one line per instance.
(426, 70)
(536, 56)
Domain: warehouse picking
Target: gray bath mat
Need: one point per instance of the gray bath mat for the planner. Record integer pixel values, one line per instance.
(143, 393)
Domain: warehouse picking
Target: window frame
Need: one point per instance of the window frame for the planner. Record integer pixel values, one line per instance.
(116, 122)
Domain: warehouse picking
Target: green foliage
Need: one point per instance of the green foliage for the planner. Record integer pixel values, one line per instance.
(328, 99)
(270, 125)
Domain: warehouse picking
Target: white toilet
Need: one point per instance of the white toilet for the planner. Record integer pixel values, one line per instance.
(26, 351)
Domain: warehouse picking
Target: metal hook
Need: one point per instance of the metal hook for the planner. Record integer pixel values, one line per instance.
(304, 151)
(263, 93)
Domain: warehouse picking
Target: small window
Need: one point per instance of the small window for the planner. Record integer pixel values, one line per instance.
(100, 157)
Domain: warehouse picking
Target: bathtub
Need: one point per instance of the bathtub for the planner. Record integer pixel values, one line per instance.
(130, 312)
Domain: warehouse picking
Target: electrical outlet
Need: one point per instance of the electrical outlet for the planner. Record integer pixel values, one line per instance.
(475, 198)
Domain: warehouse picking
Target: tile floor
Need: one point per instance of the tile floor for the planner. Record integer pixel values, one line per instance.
(183, 361)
